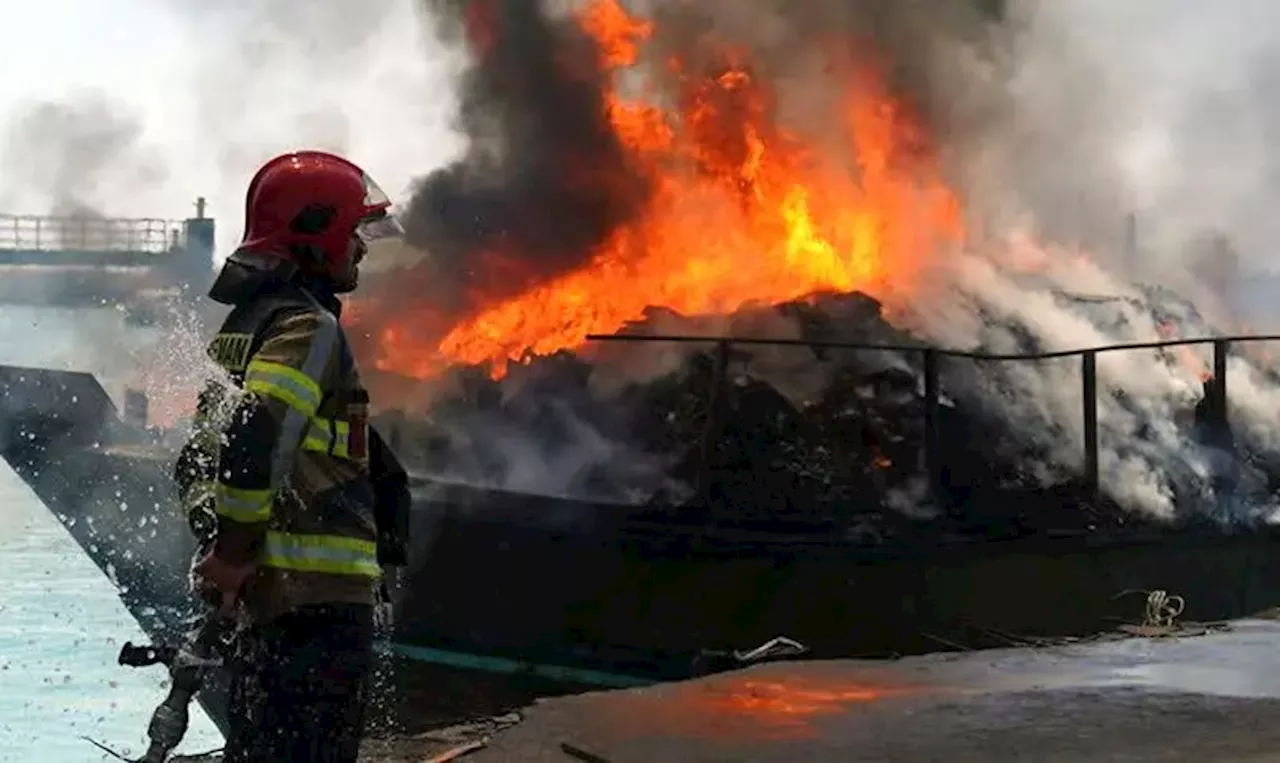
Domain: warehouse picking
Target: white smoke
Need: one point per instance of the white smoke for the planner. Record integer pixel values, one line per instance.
(1162, 109)
(225, 89)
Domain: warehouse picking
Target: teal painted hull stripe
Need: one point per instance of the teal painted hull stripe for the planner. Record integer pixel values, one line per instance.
(513, 667)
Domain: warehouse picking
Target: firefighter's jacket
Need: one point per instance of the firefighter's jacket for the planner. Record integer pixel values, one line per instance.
(279, 463)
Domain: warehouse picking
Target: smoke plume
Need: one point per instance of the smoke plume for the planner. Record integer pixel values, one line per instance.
(544, 179)
(73, 153)
(1042, 116)
(1052, 120)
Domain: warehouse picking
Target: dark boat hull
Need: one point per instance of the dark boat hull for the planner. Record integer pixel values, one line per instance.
(650, 598)
(513, 596)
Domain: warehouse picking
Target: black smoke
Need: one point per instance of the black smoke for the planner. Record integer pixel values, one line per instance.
(544, 179)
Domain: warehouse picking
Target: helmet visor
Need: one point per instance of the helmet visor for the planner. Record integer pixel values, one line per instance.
(374, 196)
(379, 226)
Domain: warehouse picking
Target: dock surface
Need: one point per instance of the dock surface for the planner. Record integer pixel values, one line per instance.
(1213, 697)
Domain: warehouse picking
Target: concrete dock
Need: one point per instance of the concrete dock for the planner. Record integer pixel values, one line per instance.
(1213, 697)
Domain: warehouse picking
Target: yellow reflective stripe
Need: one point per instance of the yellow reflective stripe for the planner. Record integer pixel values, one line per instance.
(317, 439)
(242, 505)
(333, 554)
(288, 385)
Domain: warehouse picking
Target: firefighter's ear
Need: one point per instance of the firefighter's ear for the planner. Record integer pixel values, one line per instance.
(313, 220)
(308, 254)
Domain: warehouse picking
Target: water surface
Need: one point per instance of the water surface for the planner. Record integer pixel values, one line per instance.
(61, 624)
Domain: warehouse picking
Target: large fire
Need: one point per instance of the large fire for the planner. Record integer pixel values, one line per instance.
(744, 211)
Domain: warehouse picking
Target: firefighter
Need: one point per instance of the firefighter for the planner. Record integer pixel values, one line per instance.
(298, 503)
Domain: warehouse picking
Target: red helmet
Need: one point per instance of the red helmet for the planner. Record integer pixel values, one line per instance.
(306, 205)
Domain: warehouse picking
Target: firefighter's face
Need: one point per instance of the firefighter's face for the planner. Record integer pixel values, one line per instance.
(347, 278)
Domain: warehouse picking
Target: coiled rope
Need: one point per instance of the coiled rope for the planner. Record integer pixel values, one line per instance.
(1162, 608)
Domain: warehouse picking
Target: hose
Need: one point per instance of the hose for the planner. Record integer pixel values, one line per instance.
(190, 665)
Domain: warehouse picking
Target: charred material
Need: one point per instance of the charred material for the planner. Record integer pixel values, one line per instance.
(802, 438)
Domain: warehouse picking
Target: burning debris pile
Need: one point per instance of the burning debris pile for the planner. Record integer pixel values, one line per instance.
(695, 170)
(803, 436)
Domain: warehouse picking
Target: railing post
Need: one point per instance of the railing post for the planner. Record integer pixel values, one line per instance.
(1219, 388)
(932, 437)
(1089, 393)
(712, 426)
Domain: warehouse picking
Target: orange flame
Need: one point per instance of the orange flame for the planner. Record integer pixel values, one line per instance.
(744, 213)
(742, 706)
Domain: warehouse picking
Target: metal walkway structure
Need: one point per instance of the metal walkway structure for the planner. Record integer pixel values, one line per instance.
(95, 260)
(26, 240)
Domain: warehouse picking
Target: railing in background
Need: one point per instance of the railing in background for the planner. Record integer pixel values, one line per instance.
(1216, 390)
(88, 235)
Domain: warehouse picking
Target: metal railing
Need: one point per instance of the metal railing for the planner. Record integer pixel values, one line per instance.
(1216, 392)
(86, 235)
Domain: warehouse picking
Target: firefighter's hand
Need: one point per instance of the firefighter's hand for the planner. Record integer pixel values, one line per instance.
(221, 582)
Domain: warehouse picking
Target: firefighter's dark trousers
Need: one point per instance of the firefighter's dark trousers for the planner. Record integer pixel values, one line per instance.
(301, 688)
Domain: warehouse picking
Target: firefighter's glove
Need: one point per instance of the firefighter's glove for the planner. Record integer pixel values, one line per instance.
(220, 582)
